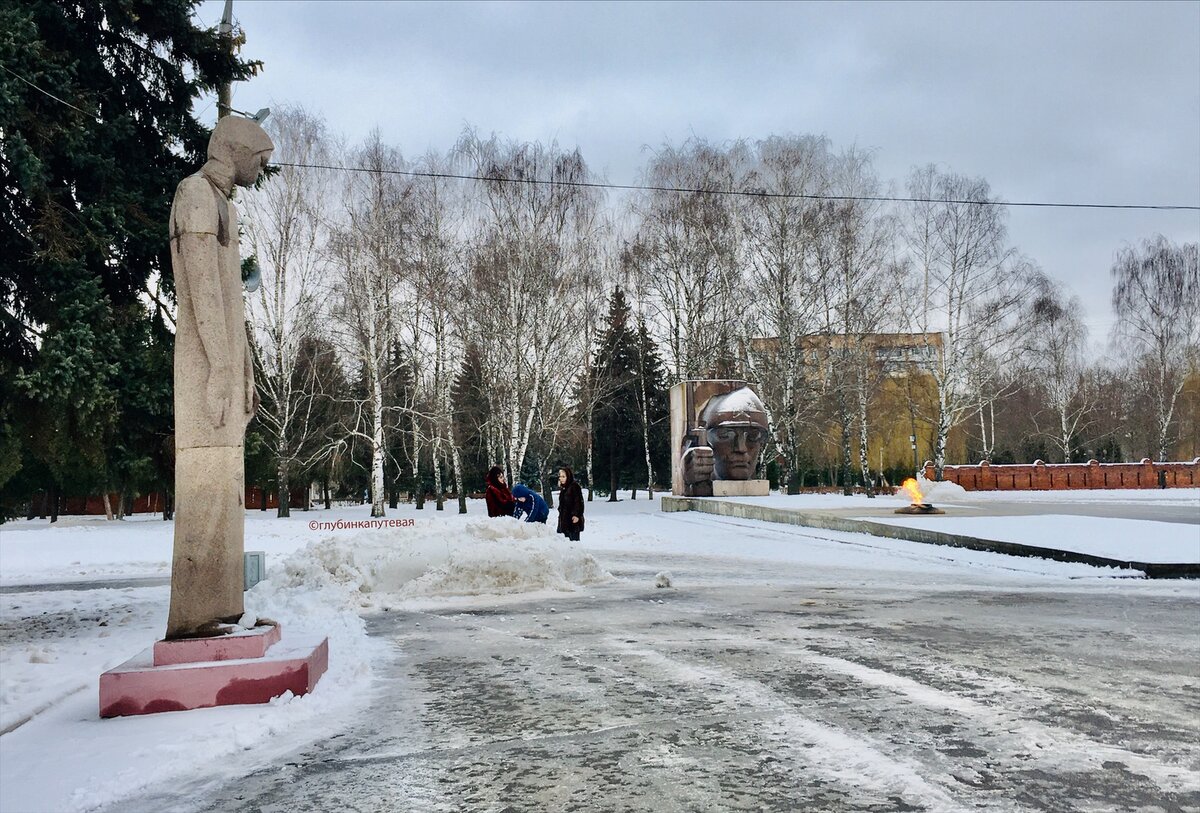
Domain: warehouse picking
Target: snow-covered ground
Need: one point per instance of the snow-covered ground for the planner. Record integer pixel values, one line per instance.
(1127, 540)
(953, 493)
(55, 642)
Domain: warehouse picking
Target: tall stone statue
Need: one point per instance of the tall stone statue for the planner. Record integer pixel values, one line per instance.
(718, 429)
(214, 381)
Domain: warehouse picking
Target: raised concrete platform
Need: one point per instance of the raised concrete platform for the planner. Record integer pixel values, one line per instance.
(741, 488)
(140, 686)
(833, 522)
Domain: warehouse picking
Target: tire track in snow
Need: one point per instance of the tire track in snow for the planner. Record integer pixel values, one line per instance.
(1012, 734)
(1051, 745)
(839, 755)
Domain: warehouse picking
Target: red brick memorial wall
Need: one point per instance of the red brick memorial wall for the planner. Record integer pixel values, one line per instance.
(1057, 476)
(153, 503)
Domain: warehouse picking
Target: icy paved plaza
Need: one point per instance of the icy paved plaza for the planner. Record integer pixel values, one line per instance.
(785, 669)
(754, 696)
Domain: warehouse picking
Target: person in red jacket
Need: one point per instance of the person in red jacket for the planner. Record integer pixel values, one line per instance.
(500, 502)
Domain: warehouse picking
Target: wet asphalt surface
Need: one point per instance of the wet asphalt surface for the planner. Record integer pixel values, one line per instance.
(769, 692)
(91, 584)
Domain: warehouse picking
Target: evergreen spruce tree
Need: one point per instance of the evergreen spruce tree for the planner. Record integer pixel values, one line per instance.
(260, 471)
(657, 409)
(85, 384)
(471, 411)
(615, 437)
(355, 481)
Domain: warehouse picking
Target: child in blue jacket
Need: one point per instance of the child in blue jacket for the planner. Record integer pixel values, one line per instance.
(529, 503)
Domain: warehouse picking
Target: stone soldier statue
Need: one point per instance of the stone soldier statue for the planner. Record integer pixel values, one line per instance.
(214, 381)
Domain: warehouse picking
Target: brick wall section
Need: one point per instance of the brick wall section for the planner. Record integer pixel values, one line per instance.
(1058, 476)
(146, 504)
(153, 503)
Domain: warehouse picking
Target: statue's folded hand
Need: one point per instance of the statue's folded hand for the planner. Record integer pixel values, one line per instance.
(218, 397)
(698, 464)
(252, 400)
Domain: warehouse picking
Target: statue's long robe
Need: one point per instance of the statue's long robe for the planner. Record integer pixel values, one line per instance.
(206, 575)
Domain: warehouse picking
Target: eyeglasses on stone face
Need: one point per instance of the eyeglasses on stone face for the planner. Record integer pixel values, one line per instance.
(728, 434)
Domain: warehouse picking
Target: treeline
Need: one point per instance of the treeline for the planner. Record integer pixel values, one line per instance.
(413, 327)
(85, 361)
(526, 319)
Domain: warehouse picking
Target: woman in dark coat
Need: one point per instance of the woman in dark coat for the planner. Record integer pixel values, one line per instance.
(500, 502)
(570, 505)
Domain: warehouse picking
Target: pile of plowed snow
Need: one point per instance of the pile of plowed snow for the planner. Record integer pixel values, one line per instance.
(491, 556)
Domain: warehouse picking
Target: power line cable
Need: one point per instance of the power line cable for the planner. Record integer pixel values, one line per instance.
(736, 192)
(51, 95)
(677, 189)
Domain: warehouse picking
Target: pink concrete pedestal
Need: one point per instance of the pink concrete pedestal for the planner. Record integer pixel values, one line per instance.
(233, 646)
(168, 677)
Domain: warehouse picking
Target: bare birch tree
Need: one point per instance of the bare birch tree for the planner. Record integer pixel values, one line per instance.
(1156, 297)
(438, 275)
(602, 255)
(365, 254)
(779, 229)
(528, 263)
(855, 290)
(988, 381)
(1056, 358)
(970, 282)
(286, 232)
(688, 242)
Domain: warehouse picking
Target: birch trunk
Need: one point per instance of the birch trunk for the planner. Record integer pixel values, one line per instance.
(939, 443)
(377, 447)
(437, 470)
(285, 494)
(983, 433)
(418, 487)
(590, 480)
(991, 447)
(863, 457)
(456, 460)
(645, 427)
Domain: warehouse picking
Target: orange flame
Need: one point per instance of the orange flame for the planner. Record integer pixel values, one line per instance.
(910, 485)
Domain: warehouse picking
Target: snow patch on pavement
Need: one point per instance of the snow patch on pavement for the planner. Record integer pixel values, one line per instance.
(111, 759)
(1127, 540)
(319, 589)
(948, 492)
(53, 644)
(812, 745)
(1051, 745)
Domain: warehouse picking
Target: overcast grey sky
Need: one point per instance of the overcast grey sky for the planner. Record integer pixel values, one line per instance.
(1064, 102)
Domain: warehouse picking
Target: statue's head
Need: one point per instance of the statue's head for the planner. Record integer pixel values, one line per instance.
(736, 425)
(243, 146)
